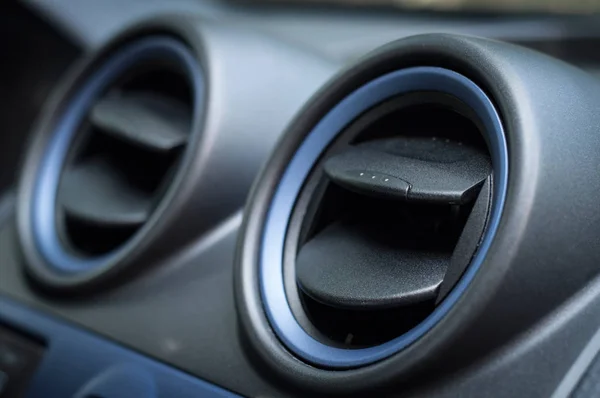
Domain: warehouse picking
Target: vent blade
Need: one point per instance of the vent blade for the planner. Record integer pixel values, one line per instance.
(411, 169)
(96, 193)
(358, 267)
(153, 122)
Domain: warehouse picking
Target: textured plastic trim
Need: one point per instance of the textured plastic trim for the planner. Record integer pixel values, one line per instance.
(48, 175)
(76, 361)
(271, 271)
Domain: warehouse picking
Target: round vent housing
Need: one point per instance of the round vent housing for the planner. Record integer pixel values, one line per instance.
(377, 236)
(382, 217)
(386, 224)
(428, 207)
(102, 173)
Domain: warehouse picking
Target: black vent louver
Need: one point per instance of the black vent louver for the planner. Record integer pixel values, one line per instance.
(389, 220)
(124, 158)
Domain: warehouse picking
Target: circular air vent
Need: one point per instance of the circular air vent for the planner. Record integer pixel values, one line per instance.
(382, 217)
(111, 159)
(408, 224)
(371, 220)
(387, 221)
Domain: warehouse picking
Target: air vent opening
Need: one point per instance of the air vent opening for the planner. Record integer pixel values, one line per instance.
(159, 77)
(361, 329)
(89, 239)
(434, 227)
(388, 220)
(124, 157)
(445, 119)
(141, 168)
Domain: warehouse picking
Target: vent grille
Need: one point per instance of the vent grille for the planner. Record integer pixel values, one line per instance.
(127, 148)
(387, 222)
(317, 234)
(105, 169)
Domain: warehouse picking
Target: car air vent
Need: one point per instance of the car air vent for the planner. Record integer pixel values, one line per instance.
(109, 161)
(378, 209)
(407, 227)
(130, 144)
(389, 220)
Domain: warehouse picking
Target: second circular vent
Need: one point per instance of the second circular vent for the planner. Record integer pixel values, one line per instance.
(124, 158)
(104, 169)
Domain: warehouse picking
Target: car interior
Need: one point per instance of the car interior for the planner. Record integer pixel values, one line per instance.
(299, 198)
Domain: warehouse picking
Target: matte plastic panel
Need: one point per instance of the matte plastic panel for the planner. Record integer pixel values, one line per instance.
(74, 358)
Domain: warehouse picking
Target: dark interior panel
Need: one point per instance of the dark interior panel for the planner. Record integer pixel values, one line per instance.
(185, 309)
(182, 315)
(34, 56)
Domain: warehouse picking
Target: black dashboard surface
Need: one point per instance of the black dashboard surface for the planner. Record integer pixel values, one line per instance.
(336, 33)
(184, 305)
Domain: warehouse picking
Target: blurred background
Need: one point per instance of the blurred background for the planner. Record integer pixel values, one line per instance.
(558, 6)
(47, 36)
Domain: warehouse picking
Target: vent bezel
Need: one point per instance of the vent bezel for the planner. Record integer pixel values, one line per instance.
(60, 267)
(270, 276)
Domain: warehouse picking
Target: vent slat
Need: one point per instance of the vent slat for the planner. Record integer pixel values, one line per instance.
(151, 121)
(96, 193)
(357, 266)
(411, 169)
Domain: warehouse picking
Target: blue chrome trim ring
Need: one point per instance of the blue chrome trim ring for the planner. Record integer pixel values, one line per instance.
(48, 174)
(271, 256)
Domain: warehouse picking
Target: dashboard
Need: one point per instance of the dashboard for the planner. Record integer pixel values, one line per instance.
(203, 198)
